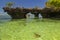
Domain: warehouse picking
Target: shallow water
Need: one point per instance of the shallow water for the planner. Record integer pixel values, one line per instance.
(4, 20)
(20, 30)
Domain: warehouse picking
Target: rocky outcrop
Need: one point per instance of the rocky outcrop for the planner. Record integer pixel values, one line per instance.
(19, 13)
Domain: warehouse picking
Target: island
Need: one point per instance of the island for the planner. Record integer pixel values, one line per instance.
(20, 13)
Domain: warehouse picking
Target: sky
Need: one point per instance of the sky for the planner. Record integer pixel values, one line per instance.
(23, 3)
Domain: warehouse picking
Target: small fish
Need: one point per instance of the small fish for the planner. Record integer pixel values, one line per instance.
(37, 35)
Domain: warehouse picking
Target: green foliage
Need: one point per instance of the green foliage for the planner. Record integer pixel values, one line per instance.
(9, 4)
(54, 3)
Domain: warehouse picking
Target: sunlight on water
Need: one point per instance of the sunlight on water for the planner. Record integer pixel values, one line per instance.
(33, 30)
